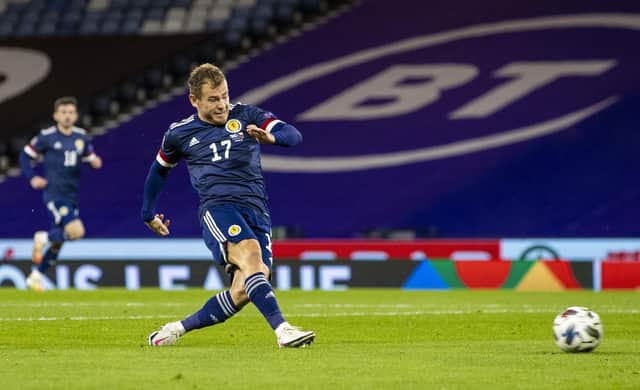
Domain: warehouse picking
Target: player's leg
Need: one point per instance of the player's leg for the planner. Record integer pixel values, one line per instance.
(249, 248)
(65, 226)
(216, 310)
(74, 230)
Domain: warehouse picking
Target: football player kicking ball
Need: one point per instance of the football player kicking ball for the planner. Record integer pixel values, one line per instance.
(220, 144)
(62, 149)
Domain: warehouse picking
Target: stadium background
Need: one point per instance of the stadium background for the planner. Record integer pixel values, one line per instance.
(394, 177)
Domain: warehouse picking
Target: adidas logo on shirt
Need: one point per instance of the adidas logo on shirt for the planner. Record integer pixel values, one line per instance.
(194, 141)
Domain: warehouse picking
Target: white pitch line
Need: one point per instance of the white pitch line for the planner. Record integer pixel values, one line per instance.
(92, 304)
(328, 314)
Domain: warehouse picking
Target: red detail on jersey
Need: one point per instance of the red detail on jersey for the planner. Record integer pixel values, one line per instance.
(264, 124)
(33, 149)
(165, 158)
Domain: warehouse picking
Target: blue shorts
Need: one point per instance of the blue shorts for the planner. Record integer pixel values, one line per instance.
(61, 212)
(233, 223)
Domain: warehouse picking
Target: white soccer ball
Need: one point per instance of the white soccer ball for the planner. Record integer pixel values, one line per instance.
(577, 329)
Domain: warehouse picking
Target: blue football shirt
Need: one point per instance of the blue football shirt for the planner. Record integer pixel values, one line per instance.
(62, 156)
(223, 161)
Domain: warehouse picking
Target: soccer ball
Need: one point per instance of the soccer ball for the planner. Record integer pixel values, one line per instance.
(577, 329)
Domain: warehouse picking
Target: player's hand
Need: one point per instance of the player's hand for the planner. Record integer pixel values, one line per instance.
(96, 162)
(159, 225)
(38, 182)
(262, 136)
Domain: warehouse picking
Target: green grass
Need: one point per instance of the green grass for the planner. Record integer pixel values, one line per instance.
(460, 339)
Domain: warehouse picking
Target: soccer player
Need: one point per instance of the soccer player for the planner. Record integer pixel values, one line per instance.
(61, 149)
(220, 143)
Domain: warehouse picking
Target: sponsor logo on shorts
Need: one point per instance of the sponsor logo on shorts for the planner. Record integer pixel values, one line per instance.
(234, 230)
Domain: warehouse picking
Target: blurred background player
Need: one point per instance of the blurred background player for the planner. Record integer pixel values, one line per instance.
(61, 149)
(221, 146)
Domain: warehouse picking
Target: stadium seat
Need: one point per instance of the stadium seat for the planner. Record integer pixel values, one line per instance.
(88, 28)
(238, 23)
(128, 94)
(110, 27)
(119, 4)
(161, 3)
(104, 105)
(180, 66)
(6, 29)
(154, 79)
(26, 29)
(130, 26)
(151, 27)
(195, 25)
(57, 5)
(284, 13)
(71, 17)
(312, 5)
(98, 5)
(181, 3)
(47, 28)
(215, 25)
(156, 13)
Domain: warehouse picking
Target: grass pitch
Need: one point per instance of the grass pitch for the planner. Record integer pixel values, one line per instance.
(366, 339)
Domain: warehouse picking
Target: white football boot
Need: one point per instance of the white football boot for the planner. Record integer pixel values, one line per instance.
(40, 240)
(167, 335)
(34, 281)
(290, 336)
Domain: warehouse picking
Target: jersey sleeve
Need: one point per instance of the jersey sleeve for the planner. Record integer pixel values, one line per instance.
(264, 119)
(36, 147)
(169, 153)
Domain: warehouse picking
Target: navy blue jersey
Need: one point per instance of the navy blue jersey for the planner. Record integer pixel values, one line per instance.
(223, 161)
(61, 156)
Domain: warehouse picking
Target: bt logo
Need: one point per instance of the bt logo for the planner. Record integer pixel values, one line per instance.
(525, 78)
(403, 88)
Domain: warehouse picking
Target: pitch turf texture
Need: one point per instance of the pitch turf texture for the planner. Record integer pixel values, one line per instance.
(366, 339)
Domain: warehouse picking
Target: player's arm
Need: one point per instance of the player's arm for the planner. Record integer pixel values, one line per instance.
(90, 156)
(154, 184)
(268, 129)
(28, 158)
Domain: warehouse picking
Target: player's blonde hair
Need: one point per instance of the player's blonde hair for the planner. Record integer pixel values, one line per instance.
(201, 74)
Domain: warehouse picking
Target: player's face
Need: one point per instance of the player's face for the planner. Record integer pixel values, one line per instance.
(213, 104)
(66, 115)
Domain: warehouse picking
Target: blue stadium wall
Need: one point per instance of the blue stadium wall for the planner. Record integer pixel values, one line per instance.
(559, 160)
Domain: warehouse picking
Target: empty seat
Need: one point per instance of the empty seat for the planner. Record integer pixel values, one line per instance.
(172, 26)
(130, 26)
(87, 28)
(155, 13)
(98, 5)
(150, 27)
(110, 27)
(181, 3)
(195, 26)
(25, 30)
